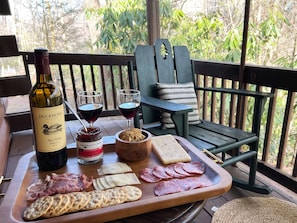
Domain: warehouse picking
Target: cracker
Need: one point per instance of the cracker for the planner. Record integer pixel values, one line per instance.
(116, 196)
(38, 208)
(64, 206)
(96, 200)
(105, 199)
(72, 200)
(57, 200)
(133, 193)
(80, 200)
(122, 194)
(111, 197)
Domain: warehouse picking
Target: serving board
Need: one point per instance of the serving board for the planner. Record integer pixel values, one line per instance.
(14, 202)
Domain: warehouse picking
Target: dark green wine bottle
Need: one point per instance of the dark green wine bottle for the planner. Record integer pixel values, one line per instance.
(47, 114)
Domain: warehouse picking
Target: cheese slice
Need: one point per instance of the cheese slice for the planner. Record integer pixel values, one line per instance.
(168, 150)
(114, 168)
(95, 184)
(116, 180)
(124, 179)
(104, 183)
(99, 185)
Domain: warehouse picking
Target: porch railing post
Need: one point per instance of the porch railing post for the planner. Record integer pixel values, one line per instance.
(242, 100)
(153, 20)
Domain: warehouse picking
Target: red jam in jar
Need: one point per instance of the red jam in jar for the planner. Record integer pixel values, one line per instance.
(89, 145)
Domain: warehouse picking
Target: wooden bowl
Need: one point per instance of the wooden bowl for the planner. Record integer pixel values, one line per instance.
(133, 151)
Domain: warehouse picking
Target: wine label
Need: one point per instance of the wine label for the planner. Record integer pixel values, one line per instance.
(49, 128)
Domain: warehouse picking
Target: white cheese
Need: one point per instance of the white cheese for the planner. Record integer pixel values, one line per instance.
(114, 168)
(169, 150)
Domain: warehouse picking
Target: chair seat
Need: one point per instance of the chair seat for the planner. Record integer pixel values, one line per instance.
(208, 135)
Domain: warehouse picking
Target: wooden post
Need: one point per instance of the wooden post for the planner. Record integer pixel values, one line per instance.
(153, 20)
(242, 100)
(5, 9)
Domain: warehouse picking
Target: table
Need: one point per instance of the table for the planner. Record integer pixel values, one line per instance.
(178, 207)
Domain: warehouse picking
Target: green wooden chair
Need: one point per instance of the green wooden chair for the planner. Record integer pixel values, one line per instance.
(156, 64)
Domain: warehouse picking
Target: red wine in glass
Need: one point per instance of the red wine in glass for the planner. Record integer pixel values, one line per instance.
(90, 112)
(128, 102)
(89, 105)
(128, 109)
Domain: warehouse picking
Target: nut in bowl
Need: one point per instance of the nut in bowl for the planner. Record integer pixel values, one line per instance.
(133, 144)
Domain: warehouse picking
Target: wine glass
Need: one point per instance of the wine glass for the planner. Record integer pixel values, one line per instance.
(128, 102)
(89, 105)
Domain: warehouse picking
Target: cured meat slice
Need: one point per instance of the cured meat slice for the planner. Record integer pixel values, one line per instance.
(204, 180)
(36, 190)
(167, 187)
(194, 168)
(189, 183)
(147, 175)
(58, 184)
(177, 185)
(178, 167)
(170, 170)
(160, 172)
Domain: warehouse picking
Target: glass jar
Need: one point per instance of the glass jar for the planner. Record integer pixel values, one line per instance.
(89, 145)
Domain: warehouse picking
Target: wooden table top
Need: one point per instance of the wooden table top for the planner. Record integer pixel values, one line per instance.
(179, 205)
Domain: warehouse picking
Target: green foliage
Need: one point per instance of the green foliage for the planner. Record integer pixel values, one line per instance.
(211, 36)
(263, 37)
(122, 25)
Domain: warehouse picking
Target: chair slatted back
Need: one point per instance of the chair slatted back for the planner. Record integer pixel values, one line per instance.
(164, 61)
(183, 64)
(157, 64)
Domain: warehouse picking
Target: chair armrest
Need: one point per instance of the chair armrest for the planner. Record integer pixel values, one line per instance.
(165, 106)
(260, 99)
(255, 94)
(178, 113)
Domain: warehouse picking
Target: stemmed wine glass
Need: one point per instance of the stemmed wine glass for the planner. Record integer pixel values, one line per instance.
(89, 105)
(128, 102)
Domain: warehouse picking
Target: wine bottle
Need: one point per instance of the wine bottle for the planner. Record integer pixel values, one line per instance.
(47, 114)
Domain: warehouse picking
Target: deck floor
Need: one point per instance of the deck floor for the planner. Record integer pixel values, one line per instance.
(21, 143)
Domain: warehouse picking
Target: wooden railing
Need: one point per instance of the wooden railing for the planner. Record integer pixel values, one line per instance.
(107, 73)
(75, 72)
(274, 149)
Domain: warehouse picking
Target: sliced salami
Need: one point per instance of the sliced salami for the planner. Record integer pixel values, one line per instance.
(189, 183)
(204, 180)
(167, 187)
(147, 175)
(160, 172)
(178, 167)
(194, 168)
(170, 170)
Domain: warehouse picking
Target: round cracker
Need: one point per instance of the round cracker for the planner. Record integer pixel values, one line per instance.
(133, 193)
(38, 208)
(113, 197)
(86, 201)
(95, 200)
(57, 201)
(121, 195)
(64, 205)
(80, 200)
